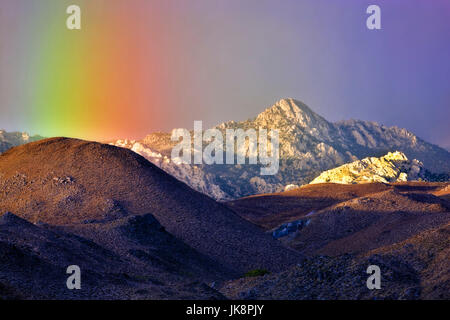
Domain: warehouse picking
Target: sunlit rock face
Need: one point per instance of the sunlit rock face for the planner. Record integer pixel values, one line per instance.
(290, 187)
(393, 167)
(308, 145)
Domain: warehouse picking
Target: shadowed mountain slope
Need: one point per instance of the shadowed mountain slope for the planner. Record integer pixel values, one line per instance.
(272, 210)
(417, 268)
(34, 259)
(68, 182)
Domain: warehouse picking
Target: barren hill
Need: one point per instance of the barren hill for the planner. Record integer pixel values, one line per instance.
(68, 182)
(336, 219)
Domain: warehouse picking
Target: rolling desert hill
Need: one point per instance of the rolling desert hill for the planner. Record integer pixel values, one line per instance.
(272, 209)
(343, 228)
(370, 222)
(78, 185)
(417, 268)
(334, 219)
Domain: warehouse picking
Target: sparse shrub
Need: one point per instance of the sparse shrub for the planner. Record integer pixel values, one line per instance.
(256, 273)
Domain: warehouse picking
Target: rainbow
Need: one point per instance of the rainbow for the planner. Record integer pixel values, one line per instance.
(95, 82)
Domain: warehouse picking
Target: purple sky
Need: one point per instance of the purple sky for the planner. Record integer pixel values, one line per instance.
(234, 58)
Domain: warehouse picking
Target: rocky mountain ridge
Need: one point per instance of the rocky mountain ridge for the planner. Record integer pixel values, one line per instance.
(309, 145)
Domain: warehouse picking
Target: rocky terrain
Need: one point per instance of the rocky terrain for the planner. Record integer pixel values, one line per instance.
(34, 259)
(309, 145)
(142, 226)
(135, 230)
(417, 268)
(404, 228)
(138, 233)
(393, 167)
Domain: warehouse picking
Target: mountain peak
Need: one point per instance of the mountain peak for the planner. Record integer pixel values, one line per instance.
(285, 113)
(290, 107)
(308, 146)
(290, 115)
(291, 110)
(292, 103)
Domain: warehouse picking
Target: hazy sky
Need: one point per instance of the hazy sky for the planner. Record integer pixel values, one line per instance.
(141, 66)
